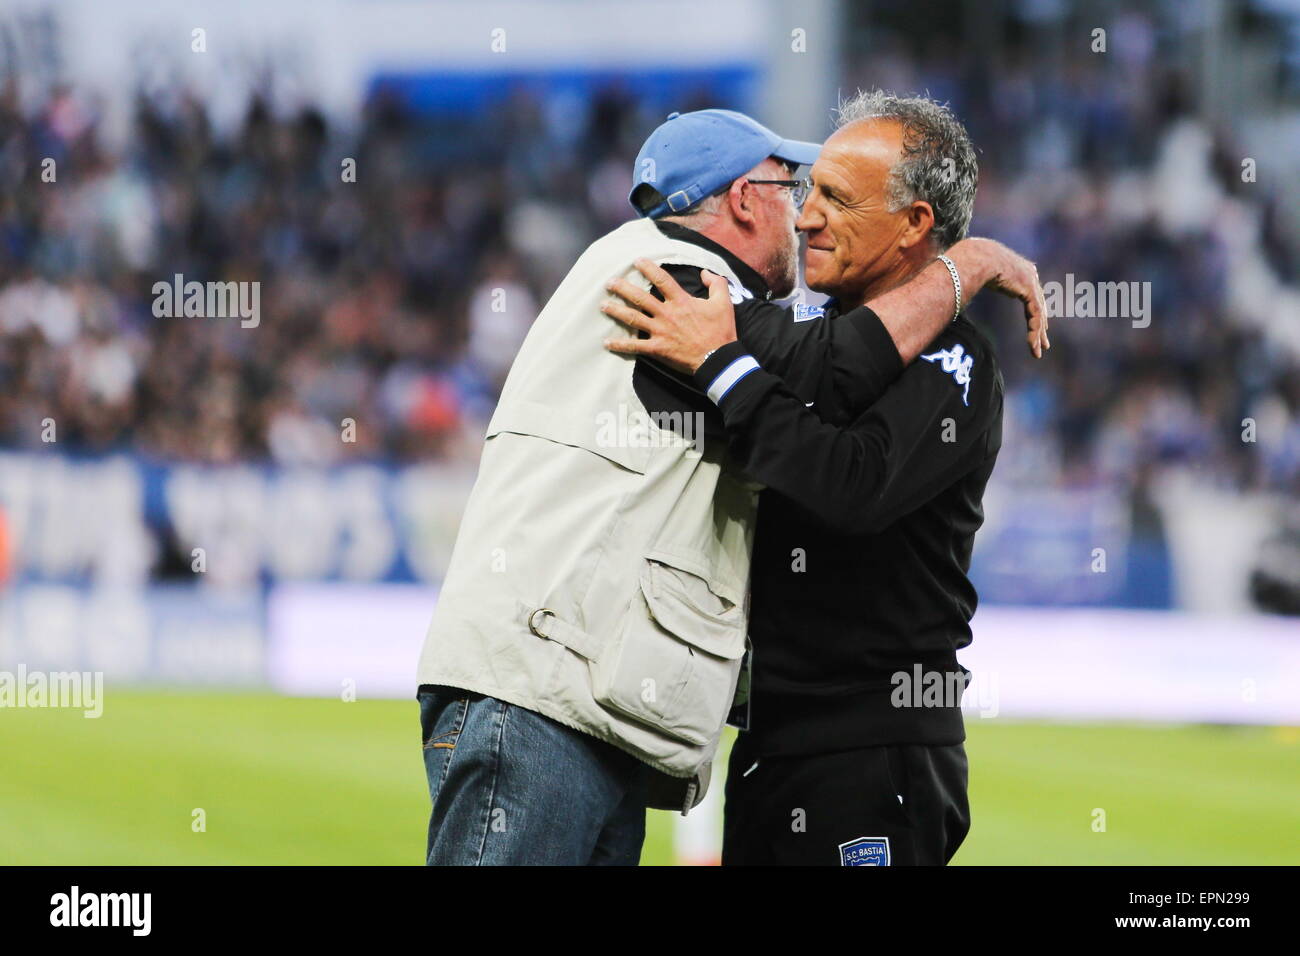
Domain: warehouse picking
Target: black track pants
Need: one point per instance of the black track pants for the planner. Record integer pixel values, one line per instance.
(843, 808)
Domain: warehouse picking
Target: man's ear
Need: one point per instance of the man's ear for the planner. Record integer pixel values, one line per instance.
(920, 224)
(741, 198)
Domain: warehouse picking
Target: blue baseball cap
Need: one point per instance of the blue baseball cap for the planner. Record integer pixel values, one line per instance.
(693, 155)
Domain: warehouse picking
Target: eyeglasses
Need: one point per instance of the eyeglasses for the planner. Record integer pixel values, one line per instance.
(799, 188)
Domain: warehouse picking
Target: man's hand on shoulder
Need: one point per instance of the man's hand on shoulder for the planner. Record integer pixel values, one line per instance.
(682, 328)
(917, 310)
(988, 264)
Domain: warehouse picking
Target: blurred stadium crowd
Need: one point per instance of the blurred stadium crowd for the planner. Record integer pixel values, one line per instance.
(398, 300)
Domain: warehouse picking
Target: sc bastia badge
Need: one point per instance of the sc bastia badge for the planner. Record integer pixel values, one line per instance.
(865, 851)
(738, 292)
(956, 363)
(802, 312)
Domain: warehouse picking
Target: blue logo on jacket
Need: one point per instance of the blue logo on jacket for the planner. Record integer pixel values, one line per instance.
(802, 312)
(865, 851)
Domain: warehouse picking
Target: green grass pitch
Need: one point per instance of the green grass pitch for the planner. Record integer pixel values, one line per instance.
(308, 781)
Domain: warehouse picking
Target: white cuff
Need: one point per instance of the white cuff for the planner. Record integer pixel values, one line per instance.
(729, 376)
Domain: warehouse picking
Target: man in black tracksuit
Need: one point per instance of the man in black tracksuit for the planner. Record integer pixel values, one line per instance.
(860, 601)
(859, 594)
(856, 587)
(859, 591)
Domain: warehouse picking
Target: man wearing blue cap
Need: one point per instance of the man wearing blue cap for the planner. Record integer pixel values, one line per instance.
(587, 641)
(687, 167)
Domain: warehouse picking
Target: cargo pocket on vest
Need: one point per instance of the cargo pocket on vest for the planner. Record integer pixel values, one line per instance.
(674, 663)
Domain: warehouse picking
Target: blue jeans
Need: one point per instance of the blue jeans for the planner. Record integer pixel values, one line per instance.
(511, 787)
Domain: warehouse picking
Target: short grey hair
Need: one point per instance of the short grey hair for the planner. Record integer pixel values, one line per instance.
(938, 164)
(706, 208)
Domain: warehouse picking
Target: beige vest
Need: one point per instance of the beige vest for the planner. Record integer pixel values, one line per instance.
(601, 569)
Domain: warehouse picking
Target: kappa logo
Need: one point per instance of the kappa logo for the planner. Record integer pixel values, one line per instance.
(865, 851)
(956, 363)
(738, 292)
(803, 313)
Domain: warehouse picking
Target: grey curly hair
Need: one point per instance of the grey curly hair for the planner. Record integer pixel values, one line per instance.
(938, 164)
